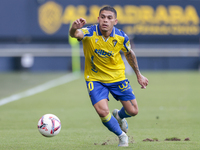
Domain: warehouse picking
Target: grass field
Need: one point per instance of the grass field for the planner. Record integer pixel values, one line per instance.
(169, 107)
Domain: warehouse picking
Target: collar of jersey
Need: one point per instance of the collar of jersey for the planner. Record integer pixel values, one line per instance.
(99, 32)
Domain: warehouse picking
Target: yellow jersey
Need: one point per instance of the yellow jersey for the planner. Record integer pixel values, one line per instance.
(103, 60)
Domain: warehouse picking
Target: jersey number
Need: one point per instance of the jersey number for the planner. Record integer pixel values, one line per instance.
(90, 86)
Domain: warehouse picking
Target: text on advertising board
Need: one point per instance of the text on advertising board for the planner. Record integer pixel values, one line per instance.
(138, 20)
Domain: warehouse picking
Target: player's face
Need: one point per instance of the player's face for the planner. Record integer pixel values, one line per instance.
(106, 21)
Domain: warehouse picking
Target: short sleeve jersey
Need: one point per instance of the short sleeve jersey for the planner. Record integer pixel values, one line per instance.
(103, 60)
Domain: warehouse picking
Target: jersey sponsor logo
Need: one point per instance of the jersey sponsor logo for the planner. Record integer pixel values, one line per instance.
(103, 53)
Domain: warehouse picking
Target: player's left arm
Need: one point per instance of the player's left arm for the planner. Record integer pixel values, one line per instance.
(132, 60)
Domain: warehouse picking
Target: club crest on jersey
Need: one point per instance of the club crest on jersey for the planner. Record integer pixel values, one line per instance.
(114, 42)
(96, 40)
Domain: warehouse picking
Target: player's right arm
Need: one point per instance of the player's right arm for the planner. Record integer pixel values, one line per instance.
(75, 31)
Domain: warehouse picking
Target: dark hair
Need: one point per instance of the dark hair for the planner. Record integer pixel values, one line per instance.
(108, 8)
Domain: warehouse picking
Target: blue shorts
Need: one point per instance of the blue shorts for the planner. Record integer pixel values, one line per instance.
(120, 90)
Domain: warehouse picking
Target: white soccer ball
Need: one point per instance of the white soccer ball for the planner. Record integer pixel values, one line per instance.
(49, 125)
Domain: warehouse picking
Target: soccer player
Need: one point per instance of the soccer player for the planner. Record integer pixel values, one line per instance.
(105, 70)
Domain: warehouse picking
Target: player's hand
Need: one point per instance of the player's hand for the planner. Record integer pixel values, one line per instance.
(79, 23)
(143, 81)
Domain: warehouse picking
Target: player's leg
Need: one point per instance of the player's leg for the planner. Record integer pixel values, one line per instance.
(122, 91)
(107, 119)
(99, 97)
(130, 108)
(110, 122)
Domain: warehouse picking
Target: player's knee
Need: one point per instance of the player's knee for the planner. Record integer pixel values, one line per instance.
(103, 112)
(133, 112)
(136, 112)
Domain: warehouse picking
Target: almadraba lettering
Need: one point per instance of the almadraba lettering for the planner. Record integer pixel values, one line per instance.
(143, 19)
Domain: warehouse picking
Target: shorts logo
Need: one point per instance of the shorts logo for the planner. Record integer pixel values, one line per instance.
(123, 87)
(103, 53)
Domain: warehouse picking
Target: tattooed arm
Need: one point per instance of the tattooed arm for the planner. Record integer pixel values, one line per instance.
(132, 60)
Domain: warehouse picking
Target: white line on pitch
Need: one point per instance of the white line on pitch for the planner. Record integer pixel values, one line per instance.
(40, 88)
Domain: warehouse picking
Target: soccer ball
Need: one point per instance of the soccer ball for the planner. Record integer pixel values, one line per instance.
(49, 125)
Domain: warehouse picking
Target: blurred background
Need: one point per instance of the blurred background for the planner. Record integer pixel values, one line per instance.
(165, 34)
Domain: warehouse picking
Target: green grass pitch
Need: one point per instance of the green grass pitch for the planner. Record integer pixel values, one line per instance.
(169, 107)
